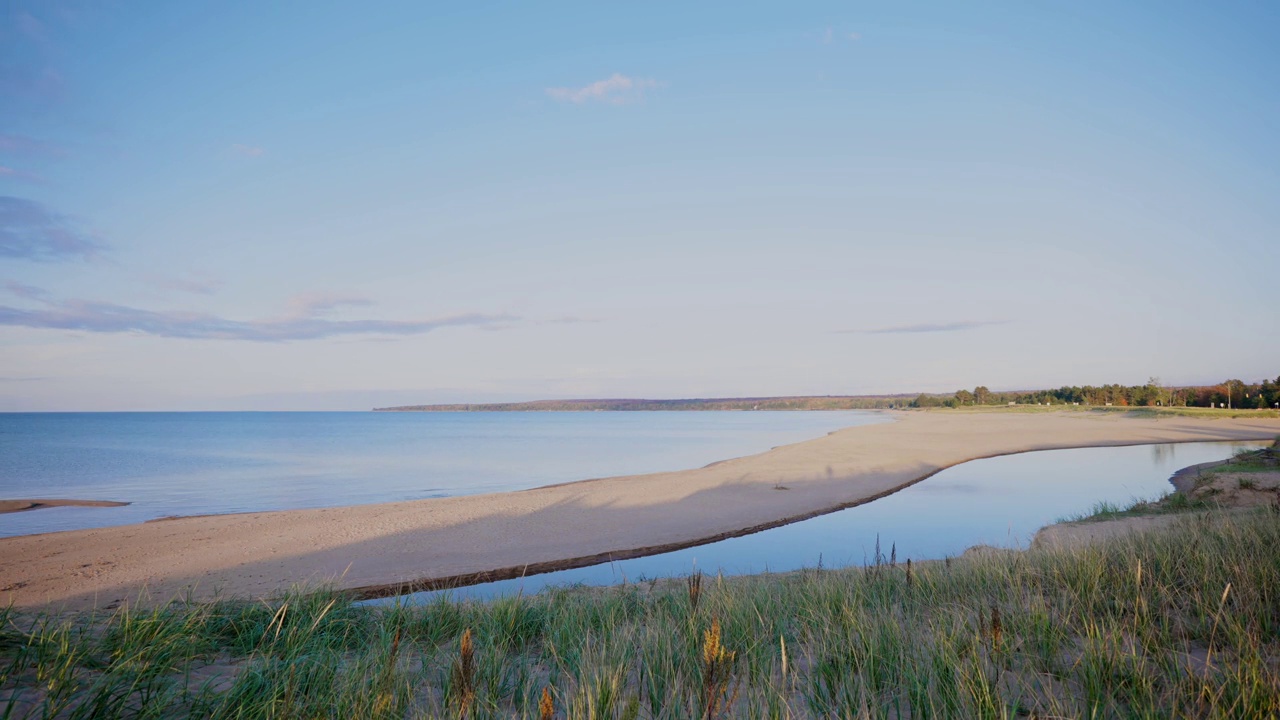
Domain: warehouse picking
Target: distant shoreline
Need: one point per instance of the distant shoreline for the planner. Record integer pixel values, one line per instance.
(789, 402)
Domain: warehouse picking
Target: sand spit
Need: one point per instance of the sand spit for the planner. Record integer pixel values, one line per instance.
(13, 506)
(379, 549)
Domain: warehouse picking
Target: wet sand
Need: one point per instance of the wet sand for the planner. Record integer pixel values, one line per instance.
(23, 505)
(380, 549)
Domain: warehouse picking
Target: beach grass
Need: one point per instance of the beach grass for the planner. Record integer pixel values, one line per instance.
(1171, 502)
(1147, 412)
(1178, 623)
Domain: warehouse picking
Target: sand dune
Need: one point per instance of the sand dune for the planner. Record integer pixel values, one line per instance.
(422, 543)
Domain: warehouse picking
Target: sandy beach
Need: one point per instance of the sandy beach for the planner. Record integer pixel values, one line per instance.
(379, 549)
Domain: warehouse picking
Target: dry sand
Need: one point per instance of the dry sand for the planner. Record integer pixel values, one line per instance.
(429, 543)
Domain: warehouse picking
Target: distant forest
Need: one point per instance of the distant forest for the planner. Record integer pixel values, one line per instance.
(1235, 394)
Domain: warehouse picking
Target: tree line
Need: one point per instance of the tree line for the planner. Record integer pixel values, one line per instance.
(1234, 393)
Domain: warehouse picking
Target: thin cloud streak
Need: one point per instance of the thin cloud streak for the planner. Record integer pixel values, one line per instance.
(570, 320)
(928, 327)
(28, 292)
(17, 174)
(248, 150)
(30, 231)
(304, 323)
(196, 283)
(617, 89)
(830, 35)
(25, 83)
(310, 304)
(22, 145)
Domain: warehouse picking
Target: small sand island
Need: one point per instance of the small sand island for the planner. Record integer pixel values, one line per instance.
(385, 549)
(13, 506)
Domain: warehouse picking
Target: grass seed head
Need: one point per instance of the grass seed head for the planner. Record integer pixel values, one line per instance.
(464, 675)
(695, 591)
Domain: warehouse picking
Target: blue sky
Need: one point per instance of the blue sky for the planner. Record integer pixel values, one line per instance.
(316, 206)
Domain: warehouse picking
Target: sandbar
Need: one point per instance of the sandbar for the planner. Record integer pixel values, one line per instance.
(23, 505)
(380, 549)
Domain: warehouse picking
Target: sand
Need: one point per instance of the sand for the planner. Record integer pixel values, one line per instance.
(377, 549)
(23, 505)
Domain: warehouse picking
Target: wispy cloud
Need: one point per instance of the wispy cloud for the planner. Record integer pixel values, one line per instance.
(29, 292)
(570, 320)
(23, 146)
(30, 26)
(15, 174)
(198, 283)
(928, 327)
(25, 83)
(306, 320)
(830, 35)
(617, 89)
(248, 150)
(309, 304)
(30, 231)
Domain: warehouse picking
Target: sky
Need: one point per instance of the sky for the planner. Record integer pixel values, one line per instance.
(240, 205)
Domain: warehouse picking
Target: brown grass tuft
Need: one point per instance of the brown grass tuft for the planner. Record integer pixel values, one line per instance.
(547, 705)
(464, 675)
(717, 671)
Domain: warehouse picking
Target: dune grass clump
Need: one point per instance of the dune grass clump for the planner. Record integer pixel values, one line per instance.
(1183, 623)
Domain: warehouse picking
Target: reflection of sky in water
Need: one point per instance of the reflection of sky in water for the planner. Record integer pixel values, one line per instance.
(997, 501)
(197, 463)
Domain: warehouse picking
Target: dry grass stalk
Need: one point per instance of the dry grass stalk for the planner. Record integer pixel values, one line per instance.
(997, 629)
(386, 695)
(464, 675)
(695, 591)
(909, 572)
(1213, 634)
(782, 643)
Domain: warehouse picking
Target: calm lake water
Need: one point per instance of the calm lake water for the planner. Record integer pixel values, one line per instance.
(194, 463)
(999, 501)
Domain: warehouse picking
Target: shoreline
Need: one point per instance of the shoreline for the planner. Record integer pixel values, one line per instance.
(390, 548)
